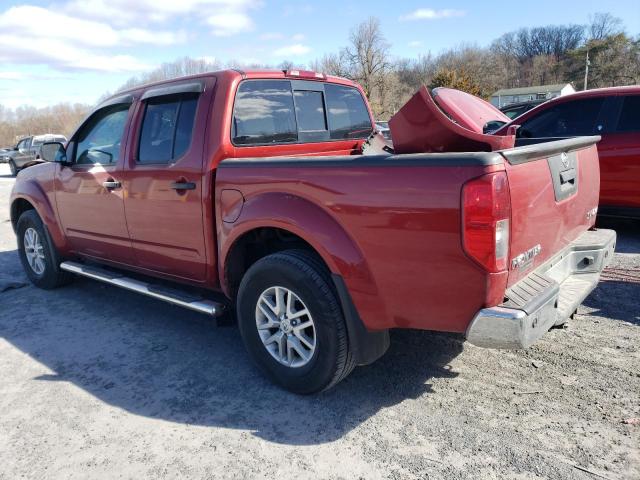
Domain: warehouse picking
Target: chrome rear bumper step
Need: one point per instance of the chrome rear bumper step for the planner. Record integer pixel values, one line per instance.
(547, 296)
(175, 297)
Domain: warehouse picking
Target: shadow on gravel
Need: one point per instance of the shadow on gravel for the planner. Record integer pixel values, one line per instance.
(628, 233)
(617, 300)
(159, 361)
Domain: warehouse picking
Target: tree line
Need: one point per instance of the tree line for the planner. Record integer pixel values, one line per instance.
(526, 57)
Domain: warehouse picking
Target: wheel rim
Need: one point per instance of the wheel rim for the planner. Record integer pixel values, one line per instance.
(34, 250)
(286, 327)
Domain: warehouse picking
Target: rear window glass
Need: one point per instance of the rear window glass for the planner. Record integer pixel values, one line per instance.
(348, 114)
(264, 113)
(629, 120)
(310, 110)
(167, 128)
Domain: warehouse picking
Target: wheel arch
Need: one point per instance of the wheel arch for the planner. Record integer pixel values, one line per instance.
(29, 195)
(306, 223)
(272, 222)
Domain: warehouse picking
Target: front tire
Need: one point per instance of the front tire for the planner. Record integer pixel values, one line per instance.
(12, 168)
(292, 324)
(37, 253)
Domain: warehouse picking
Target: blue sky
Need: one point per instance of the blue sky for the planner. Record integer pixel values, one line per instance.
(76, 50)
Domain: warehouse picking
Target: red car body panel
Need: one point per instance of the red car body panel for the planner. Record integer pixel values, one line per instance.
(422, 125)
(467, 110)
(619, 153)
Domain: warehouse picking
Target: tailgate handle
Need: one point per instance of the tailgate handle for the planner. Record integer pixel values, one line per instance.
(568, 176)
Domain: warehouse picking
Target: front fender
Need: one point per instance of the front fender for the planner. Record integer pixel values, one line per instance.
(39, 192)
(320, 230)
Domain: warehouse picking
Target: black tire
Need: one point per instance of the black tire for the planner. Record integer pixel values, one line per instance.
(52, 276)
(13, 168)
(306, 276)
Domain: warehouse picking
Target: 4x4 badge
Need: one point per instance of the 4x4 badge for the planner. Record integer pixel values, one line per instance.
(564, 158)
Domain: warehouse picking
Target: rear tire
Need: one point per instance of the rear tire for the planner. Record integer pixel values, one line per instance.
(13, 168)
(38, 255)
(307, 319)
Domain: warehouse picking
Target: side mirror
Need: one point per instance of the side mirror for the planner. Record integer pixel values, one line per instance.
(54, 152)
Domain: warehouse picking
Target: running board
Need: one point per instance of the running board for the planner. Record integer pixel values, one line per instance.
(175, 297)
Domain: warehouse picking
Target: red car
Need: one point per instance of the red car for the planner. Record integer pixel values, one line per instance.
(614, 114)
(251, 189)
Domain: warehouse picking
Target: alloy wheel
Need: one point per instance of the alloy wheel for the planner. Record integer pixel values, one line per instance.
(286, 327)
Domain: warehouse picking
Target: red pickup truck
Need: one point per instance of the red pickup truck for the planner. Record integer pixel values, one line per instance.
(250, 190)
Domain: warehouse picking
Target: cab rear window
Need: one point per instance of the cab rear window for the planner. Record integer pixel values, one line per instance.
(348, 114)
(264, 113)
(268, 112)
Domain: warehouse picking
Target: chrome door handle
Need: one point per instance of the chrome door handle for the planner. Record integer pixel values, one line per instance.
(111, 184)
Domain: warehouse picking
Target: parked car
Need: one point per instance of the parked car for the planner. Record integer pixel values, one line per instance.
(255, 194)
(27, 151)
(383, 128)
(612, 113)
(514, 110)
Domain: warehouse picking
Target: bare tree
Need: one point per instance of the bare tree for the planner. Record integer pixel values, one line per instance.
(603, 25)
(367, 60)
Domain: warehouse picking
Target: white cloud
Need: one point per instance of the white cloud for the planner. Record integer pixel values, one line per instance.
(148, 11)
(431, 14)
(225, 24)
(11, 75)
(414, 44)
(271, 36)
(298, 37)
(61, 54)
(295, 50)
(43, 23)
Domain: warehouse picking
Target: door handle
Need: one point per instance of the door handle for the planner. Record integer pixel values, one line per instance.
(111, 184)
(183, 186)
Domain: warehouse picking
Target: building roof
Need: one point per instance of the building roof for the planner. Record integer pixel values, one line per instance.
(530, 90)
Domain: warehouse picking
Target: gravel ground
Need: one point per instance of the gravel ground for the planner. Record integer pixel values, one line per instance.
(96, 383)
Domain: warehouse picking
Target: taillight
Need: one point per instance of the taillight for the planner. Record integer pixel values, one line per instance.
(486, 213)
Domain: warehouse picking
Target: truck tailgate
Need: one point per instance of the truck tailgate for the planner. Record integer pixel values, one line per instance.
(554, 197)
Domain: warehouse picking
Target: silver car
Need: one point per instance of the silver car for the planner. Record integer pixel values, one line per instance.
(27, 151)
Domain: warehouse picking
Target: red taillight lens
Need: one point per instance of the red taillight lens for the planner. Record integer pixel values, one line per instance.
(486, 205)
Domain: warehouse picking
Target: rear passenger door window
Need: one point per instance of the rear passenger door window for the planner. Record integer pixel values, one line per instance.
(567, 119)
(167, 128)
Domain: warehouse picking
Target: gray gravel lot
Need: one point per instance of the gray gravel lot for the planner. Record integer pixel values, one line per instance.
(96, 382)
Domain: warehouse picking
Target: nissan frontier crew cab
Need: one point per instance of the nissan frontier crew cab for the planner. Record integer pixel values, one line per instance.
(249, 191)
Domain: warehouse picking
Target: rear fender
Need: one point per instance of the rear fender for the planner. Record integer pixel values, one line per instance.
(316, 227)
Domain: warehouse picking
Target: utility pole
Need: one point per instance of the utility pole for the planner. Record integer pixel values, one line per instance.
(586, 70)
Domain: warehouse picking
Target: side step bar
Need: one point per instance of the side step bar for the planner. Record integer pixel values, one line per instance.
(175, 297)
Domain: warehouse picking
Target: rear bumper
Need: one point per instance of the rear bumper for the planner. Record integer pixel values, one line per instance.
(547, 296)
